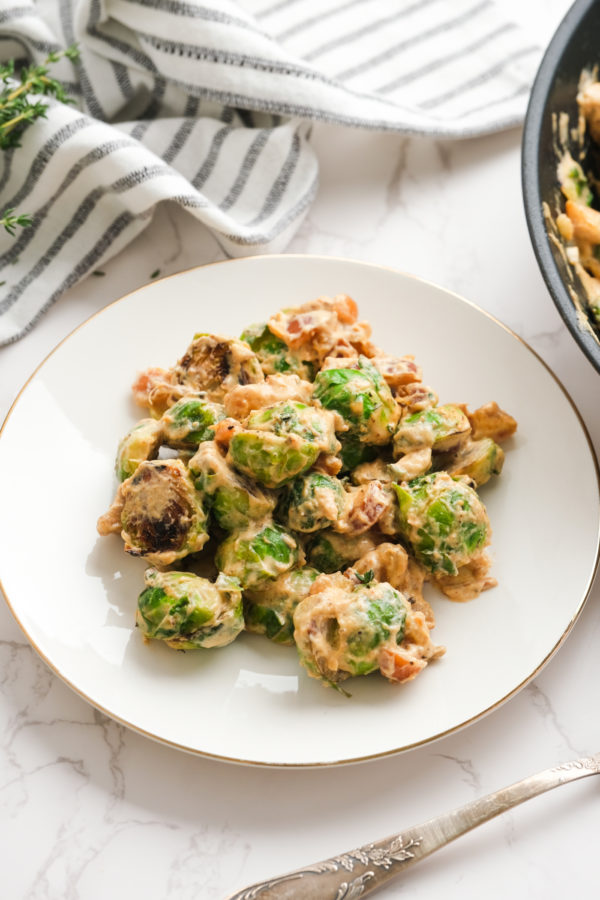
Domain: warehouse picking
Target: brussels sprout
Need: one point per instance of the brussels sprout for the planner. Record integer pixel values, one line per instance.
(354, 453)
(141, 442)
(215, 364)
(188, 612)
(190, 421)
(269, 458)
(162, 515)
(275, 355)
(363, 399)
(442, 428)
(282, 441)
(260, 553)
(233, 499)
(341, 627)
(329, 552)
(270, 610)
(314, 501)
(478, 460)
(444, 521)
(310, 423)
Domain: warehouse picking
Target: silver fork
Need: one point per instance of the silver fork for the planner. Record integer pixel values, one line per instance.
(364, 870)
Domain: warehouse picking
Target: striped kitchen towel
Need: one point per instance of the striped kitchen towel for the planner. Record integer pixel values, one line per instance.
(209, 104)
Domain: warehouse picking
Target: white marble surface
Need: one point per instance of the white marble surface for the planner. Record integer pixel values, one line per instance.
(90, 810)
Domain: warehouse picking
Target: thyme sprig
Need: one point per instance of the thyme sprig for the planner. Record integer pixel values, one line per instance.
(10, 221)
(18, 110)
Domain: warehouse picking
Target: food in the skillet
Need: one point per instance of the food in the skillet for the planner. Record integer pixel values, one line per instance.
(260, 553)
(158, 513)
(270, 609)
(187, 612)
(352, 626)
(301, 484)
(579, 224)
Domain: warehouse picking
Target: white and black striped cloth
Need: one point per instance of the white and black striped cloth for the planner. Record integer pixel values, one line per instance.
(208, 103)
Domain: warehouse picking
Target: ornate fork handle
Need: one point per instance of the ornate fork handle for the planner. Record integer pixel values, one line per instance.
(359, 872)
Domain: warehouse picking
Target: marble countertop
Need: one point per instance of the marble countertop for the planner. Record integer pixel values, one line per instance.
(90, 809)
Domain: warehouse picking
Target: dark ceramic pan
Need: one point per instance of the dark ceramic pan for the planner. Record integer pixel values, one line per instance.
(575, 46)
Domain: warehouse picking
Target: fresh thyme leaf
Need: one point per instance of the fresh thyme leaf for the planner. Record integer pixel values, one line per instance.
(11, 222)
(98, 273)
(367, 578)
(155, 274)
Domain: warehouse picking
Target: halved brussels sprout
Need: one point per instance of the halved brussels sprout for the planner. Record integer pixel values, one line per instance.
(363, 399)
(442, 428)
(187, 611)
(233, 499)
(260, 553)
(270, 610)
(162, 515)
(342, 627)
(275, 355)
(215, 364)
(141, 442)
(282, 441)
(190, 421)
(329, 552)
(478, 460)
(314, 501)
(444, 521)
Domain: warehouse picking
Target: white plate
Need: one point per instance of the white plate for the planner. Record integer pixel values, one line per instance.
(74, 594)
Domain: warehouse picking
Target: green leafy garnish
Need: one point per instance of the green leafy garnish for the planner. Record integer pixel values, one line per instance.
(367, 578)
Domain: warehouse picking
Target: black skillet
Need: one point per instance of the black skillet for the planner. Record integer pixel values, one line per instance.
(575, 46)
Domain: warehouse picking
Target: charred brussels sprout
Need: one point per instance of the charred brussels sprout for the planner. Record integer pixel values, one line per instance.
(275, 355)
(341, 627)
(142, 442)
(233, 499)
(329, 552)
(270, 610)
(260, 553)
(216, 364)
(282, 441)
(314, 501)
(188, 612)
(363, 399)
(442, 428)
(444, 521)
(190, 421)
(162, 515)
